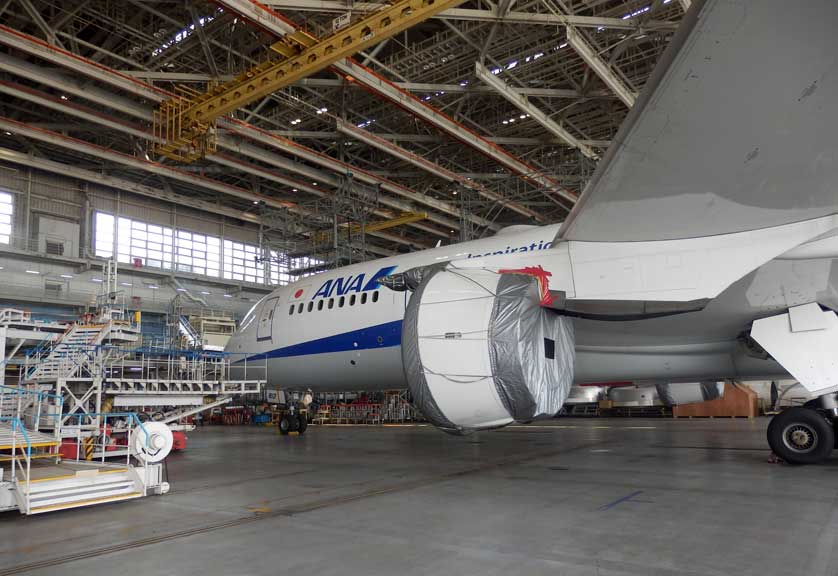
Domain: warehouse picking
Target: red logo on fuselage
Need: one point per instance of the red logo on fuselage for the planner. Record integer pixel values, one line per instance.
(298, 293)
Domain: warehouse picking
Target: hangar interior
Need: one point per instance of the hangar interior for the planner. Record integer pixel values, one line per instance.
(144, 241)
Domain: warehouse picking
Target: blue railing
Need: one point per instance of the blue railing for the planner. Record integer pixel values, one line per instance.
(17, 424)
(41, 396)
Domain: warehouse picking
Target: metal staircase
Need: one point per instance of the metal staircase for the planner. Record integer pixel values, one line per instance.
(188, 331)
(66, 358)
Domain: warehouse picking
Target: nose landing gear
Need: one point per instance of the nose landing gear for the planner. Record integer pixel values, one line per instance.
(294, 419)
(803, 434)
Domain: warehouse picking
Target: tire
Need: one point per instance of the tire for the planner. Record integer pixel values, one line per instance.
(801, 436)
(284, 425)
(294, 423)
(303, 424)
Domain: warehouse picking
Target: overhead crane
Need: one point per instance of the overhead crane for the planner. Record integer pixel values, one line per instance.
(185, 125)
(405, 218)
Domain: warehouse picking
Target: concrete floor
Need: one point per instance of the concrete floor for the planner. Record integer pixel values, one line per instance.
(602, 497)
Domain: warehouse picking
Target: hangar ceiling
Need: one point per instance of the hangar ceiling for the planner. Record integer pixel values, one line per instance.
(487, 115)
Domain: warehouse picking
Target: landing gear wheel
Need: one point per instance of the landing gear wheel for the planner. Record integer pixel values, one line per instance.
(303, 423)
(284, 425)
(801, 436)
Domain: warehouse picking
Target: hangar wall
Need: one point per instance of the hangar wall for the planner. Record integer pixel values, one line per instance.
(50, 259)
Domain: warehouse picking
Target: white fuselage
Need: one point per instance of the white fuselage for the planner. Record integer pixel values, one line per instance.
(341, 330)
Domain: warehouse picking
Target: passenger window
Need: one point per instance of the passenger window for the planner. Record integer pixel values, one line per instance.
(341, 301)
(364, 298)
(375, 296)
(300, 308)
(291, 310)
(320, 305)
(352, 300)
(310, 306)
(331, 303)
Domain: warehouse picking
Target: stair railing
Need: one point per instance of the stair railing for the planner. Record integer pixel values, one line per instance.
(101, 442)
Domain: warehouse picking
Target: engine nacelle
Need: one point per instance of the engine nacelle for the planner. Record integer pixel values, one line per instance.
(480, 352)
(680, 393)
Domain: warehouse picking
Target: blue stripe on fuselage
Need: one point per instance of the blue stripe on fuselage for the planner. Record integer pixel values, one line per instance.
(369, 338)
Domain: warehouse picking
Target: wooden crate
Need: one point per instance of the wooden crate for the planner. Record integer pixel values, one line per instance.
(738, 401)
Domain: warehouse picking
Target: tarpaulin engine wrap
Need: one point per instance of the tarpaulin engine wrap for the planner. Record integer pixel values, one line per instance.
(532, 350)
(412, 360)
(480, 352)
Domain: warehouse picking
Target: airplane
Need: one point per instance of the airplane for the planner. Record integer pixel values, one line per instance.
(701, 250)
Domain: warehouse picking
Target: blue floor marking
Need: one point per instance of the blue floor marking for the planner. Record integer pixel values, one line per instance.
(628, 498)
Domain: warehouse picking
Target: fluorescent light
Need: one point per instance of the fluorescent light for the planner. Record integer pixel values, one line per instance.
(181, 289)
(204, 292)
(228, 295)
(95, 279)
(32, 272)
(153, 287)
(63, 97)
(255, 201)
(66, 275)
(7, 133)
(125, 284)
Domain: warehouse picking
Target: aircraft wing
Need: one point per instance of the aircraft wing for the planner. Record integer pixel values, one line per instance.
(735, 130)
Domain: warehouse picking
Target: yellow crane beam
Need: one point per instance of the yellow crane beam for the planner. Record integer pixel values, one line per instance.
(406, 218)
(184, 126)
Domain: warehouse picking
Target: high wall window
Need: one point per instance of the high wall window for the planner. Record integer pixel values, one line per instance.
(6, 213)
(282, 266)
(133, 240)
(198, 253)
(186, 251)
(148, 243)
(103, 235)
(241, 262)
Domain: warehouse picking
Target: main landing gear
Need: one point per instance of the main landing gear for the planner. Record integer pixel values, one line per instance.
(805, 434)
